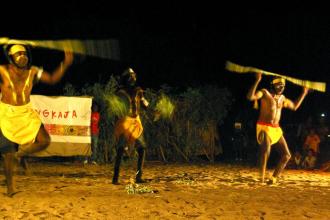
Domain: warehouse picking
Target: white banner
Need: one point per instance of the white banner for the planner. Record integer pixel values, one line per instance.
(67, 120)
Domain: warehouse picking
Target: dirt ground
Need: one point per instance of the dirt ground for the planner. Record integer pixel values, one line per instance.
(174, 191)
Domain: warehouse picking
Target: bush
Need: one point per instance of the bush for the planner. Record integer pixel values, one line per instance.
(187, 126)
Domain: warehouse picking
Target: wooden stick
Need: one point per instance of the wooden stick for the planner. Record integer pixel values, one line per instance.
(318, 86)
(106, 48)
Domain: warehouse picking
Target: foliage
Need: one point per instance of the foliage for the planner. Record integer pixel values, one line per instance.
(192, 129)
(164, 107)
(97, 91)
(134, 188)
(186, 124)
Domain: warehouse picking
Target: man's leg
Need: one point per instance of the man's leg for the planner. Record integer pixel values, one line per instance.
(285, 156)
(119, 155)
(141, 145)
(25, 165)
(9, 166)
(95, 146)
(8, 149)
(264, 153)
(42, 141)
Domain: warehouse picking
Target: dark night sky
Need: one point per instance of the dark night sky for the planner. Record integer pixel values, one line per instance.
(180, 45)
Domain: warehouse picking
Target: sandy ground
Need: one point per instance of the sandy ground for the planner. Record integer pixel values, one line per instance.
(177, 191)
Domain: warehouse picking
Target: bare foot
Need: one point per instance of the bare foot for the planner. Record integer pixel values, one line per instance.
(11, 193)
(262, 180)
(272, 180)
(139, 180)
(115, 181)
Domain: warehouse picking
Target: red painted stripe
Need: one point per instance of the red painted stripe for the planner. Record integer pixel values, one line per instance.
(268, 124)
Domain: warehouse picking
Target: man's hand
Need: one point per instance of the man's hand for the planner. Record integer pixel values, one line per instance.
(68, 58)
(305, 90)
(258, 76)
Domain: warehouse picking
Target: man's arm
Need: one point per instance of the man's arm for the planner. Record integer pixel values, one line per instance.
(2, 71)
(252, 94)
(295, 105)
(1, 75)
(57, 75)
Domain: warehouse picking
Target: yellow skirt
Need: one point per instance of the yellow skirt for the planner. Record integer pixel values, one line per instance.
(130, 127)
(273, 132)
(19, 124)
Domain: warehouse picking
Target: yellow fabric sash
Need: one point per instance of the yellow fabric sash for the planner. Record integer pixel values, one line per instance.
(130, 127)
(274, 133)
(19, 124)
(318, 86)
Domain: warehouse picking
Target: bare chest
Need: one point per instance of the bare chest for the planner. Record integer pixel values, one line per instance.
(16, 85)
(273, 101)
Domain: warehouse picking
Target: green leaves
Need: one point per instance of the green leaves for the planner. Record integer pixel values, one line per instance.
(180, 125)
(164, 107)
(117, 106)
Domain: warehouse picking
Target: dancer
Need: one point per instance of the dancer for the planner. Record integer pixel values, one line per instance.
(128, 129)
(20, 125)
(268, 129)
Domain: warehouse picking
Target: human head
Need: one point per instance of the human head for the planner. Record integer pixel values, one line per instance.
(129, 77)
(18, 55)
(278, 85)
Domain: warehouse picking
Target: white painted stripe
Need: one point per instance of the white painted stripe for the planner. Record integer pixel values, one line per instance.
(70, 139)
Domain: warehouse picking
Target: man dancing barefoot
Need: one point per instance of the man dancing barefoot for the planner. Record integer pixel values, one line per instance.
(19, 123)
(268, 129)
(129, 129)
